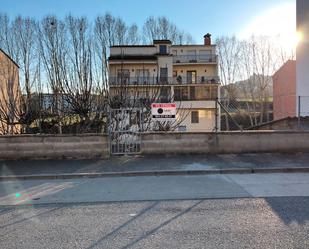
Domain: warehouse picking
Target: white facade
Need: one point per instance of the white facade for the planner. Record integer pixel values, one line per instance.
(189, 71)
(302, 60)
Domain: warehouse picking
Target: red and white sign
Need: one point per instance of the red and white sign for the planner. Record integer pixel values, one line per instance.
(163, 111)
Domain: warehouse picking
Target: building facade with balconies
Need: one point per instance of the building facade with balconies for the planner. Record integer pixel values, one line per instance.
(163, 72)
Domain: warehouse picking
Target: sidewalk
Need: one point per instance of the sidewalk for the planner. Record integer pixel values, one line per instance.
(156, 165)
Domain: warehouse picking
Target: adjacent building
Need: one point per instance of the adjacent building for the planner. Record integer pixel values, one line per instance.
(163, 72)
(302, 55)
(284, 91)
(9, 95)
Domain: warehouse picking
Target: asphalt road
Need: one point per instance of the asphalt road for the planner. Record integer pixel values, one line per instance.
(281, 222)
(211, 211)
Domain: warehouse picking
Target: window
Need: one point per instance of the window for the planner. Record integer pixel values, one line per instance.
(194, 117)
(185, 93)
(205, 55)
(192, 93)
(175, 73)
(163, 74)
(191, 77)
(177, 94)
(214, 92)
(165, 94)
(163, 49)
(199, 92)
(142, 75)
(123, 76)
(191, 54)
(181, 93)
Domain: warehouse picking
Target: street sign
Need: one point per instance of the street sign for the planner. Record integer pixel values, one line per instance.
(163, 111)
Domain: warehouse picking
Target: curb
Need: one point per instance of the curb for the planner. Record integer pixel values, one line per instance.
(156, 173)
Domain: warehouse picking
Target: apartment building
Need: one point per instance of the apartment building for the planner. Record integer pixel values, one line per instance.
(9, 94)
(163, 72)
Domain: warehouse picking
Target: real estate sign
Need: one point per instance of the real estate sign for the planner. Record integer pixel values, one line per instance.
(163, 111)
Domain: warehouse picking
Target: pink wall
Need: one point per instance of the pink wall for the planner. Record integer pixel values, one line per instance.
(284, 91)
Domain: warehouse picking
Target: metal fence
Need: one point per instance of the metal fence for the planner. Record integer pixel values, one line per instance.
(283, 112)
(154, 80)
(203, 58)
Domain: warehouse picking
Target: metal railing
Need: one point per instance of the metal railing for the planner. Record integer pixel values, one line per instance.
(179, 80)
(208, 58)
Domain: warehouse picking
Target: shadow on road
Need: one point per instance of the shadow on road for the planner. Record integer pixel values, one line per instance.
(290, 209)
(142, 212)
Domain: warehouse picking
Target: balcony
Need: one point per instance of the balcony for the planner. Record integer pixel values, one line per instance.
(207, 58)
(179, 80)
(150, 81)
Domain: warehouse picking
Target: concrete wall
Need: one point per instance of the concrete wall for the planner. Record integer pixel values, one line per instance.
(183, 49)
(97, 146)
(133, 50)
(53, 146)
(225, 142)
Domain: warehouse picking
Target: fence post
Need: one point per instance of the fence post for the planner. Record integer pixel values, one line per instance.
(298, 120)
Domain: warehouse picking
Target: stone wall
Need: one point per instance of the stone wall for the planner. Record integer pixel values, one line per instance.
(225, 142)
(97, 146)
(54, 146)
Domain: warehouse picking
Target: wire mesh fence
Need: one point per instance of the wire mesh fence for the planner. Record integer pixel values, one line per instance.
(244, 114)
(282, 112)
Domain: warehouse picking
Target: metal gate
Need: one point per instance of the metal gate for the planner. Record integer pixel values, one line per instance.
(125, 126)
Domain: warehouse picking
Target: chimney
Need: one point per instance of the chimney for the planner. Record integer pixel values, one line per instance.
(207, 39)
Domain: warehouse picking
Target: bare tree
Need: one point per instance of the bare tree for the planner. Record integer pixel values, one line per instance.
(64, 67)
(229, 50)
(245, 69)
(162, 28)
(24, 30)
(82, 99)
(258, 65)
(7, 40)
(53, 51)
(133, 36)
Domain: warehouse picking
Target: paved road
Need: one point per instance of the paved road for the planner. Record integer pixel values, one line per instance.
(281, 222)
(155, 163)
(153, 188)
(101, 213)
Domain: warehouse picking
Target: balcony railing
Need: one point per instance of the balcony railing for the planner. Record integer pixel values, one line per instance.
(179, 80)
(206, 58)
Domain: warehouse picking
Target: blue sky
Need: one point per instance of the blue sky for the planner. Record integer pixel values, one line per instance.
(219, 17)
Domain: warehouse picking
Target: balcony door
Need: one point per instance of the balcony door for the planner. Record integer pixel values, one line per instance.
(142, 76)
(123, 76)
(191, 55)
(191, 77)
(205, 55)
(163, 75)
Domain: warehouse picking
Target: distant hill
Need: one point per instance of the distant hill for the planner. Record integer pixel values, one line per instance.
(253, 87)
